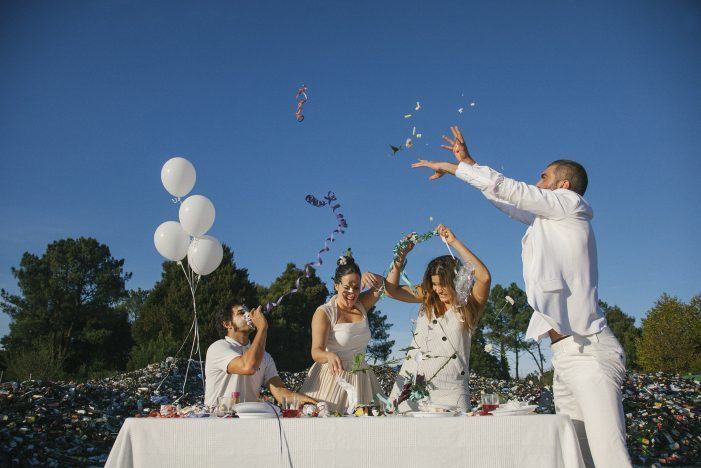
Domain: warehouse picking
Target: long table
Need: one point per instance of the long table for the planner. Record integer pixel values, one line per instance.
(489, 441)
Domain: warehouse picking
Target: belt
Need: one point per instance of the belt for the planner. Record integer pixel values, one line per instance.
(559, 339)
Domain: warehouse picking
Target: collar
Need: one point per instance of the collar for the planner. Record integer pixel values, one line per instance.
(236, 343)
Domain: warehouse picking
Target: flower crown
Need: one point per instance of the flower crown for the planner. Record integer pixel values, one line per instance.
(345, 258)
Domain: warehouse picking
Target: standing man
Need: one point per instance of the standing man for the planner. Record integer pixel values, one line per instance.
(561, 277)
(237, 364)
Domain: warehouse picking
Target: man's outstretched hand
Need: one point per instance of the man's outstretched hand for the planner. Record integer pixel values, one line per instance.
(439, 168)
(458, 147)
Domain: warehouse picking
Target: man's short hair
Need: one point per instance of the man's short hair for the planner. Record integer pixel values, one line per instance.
(226, 313)
(572, 171)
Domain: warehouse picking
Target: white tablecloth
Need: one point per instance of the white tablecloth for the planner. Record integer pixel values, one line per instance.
(490, 441)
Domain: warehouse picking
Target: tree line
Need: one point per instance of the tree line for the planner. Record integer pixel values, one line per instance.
(74, 318)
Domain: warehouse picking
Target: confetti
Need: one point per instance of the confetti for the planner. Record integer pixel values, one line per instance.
(395, 149)
(430, 218)
(408, 143)
(418, 135)
(460, 111)
(418, 106)
(407, 116)
(413, 131)
(472, 104)
(331, 201)
(302, 98)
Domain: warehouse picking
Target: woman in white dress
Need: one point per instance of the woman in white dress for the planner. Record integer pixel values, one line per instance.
(340, 331)
(441, 343)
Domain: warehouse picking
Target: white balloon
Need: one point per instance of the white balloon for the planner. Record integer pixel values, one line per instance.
(171, 240)
(204, 254)
(196, 215)
(178, 176)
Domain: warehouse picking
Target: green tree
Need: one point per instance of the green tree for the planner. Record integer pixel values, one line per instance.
(623, 327)
(507, 325)
(66, 319)
(165, 317)
(289, 338)
(483, 363)
(670, 340)
(380, 346)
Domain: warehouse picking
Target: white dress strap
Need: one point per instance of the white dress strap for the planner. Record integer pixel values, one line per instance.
(331, 311)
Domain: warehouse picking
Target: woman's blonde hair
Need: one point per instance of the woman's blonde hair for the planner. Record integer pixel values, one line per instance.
(445, 267)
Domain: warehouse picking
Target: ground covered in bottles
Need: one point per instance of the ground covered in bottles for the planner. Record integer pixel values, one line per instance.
(64, 423)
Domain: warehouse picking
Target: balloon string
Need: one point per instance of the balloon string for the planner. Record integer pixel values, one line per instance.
(330, 200)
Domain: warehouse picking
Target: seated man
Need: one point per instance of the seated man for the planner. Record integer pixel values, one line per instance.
(237, 364)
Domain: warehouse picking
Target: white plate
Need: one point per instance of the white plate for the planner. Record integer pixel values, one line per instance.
(513, 412)
(429, 414)
(256, 415)
(256, 407)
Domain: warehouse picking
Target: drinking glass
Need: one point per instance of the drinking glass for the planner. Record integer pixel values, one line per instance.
(490, 402)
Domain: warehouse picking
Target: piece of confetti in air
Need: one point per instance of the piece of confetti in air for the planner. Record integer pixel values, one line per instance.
(407, 116)
(395, 149)
(408, 143)
(461, 110)
(472, 104)
(301, 99)
(418, 135)
(418, 106)
(430, 218)
(413, 131)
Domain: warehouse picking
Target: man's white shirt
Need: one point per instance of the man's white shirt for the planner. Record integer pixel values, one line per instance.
(558, 251)
(220, 383)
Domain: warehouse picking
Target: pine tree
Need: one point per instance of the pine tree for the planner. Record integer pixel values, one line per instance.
(289, 338)
(66, 320)
(380, 346)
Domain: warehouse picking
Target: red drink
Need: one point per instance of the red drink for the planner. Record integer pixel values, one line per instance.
(290, 413)
(487, 409)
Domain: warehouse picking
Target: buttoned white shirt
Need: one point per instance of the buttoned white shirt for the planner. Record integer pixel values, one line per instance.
(558, 251)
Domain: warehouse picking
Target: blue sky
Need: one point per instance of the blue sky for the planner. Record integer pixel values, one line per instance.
(96, 96)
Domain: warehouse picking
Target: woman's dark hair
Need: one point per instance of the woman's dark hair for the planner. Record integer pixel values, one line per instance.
(345, 265)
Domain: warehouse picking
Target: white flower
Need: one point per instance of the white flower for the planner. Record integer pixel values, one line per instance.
(509, 300)
(418, 357)
(488, 348)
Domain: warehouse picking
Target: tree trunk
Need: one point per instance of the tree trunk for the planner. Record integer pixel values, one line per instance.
(516, 353)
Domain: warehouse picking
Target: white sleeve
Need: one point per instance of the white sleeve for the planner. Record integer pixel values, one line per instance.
(527, 198)
(514, 213)
(270, 369)
(221, 358)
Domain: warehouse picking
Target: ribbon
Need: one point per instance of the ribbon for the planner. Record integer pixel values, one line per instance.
(331, 201)
(401, 246)
(302, 98)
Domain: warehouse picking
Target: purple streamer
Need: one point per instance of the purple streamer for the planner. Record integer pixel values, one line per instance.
(330, 200)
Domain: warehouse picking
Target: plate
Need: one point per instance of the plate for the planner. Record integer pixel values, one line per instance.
(257, 415)
(256, 407)
(514, 411)
(429, 414)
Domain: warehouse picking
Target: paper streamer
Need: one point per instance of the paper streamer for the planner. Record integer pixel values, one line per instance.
(301, 99)
(331, 201)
